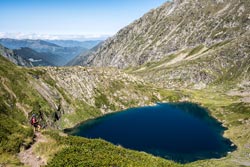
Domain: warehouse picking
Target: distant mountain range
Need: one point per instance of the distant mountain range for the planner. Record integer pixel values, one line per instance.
(36, 58)
(56, 52)
(83, 57)
(72, 43)
(28, 57)
(33, 44)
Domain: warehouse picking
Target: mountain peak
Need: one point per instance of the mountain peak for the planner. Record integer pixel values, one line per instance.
(172, 27)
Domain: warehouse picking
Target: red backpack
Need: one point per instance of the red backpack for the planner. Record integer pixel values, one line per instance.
(32, 120)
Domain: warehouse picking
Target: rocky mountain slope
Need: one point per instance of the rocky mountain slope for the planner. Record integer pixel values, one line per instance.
(103, 90)
(174, 26)
(184, 43)
(225, 63)
(14, 57)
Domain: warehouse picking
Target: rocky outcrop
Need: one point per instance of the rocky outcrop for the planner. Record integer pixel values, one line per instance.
(79, 93)
(65, 96)
(174, 26)
(108, 89)
(13, 57)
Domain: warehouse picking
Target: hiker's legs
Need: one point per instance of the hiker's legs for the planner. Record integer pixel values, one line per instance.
(38, 127)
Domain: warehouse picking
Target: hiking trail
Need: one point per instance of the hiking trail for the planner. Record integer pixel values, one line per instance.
(29, 157)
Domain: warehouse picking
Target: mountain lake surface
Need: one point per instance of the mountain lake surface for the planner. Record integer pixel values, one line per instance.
(183, 132)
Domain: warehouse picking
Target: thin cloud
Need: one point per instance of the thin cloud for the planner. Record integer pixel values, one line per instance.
(54, 37)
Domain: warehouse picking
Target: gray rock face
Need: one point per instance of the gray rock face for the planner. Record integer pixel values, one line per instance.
(13, 57)
(172, 27)
(79, 93)
(87, 84)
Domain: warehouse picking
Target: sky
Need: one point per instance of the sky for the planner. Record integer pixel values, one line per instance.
(69, 18)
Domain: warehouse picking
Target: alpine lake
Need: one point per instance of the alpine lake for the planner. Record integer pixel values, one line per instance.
(183, 132)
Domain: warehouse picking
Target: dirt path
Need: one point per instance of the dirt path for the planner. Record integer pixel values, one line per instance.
(28, 157)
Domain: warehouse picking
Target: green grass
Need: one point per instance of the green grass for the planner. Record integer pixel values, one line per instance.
(101, 100)
(80, 151)
(65, 96)
(219, 44)
(16, 90)
(195, 50)
(151, 65)
(15, 132)
(83, 111)
(233, 114)
(238, 111)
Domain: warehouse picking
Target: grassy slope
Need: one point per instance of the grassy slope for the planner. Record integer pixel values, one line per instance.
(228, 110)
(78, 151)
(222, 63)
(15, 131)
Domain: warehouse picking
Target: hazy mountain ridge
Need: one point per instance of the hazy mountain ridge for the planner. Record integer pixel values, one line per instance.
(62, 55)
(83, 57)
(36, 58)
(33, 44)
(71, 43)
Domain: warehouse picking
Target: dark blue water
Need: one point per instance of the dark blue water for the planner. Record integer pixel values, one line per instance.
(183, 132)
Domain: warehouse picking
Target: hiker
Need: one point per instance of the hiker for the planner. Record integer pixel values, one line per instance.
(34, 122)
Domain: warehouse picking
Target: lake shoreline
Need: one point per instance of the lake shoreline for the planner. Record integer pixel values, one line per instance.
(221, 129)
